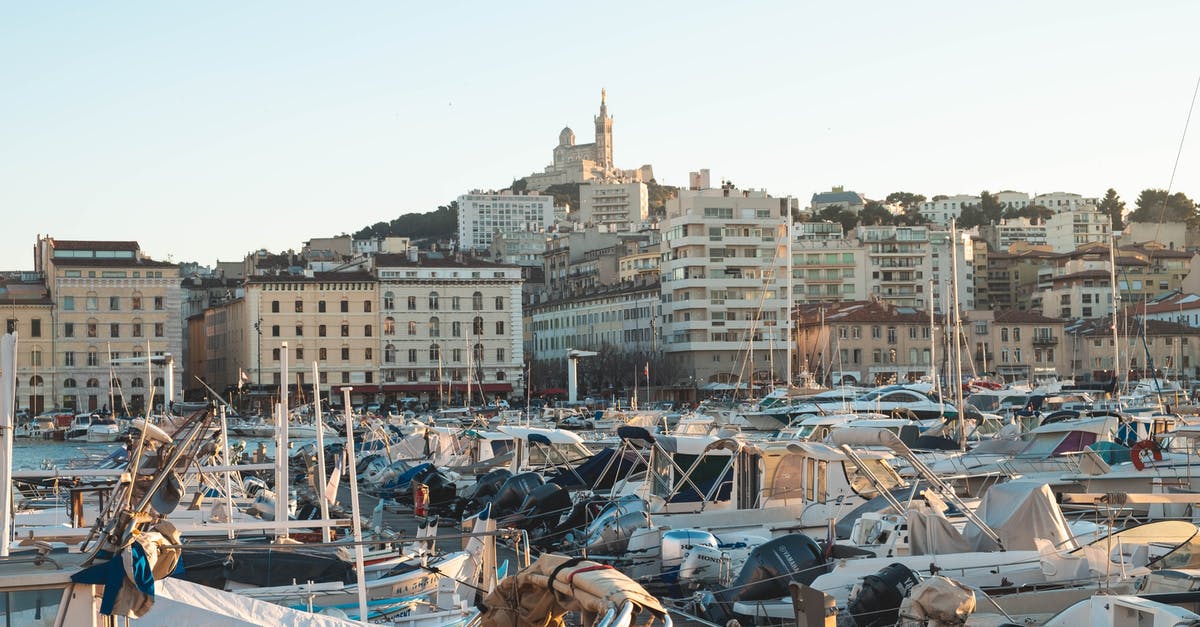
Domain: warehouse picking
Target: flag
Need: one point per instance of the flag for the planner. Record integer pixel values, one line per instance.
(243, 378)
(646, 370)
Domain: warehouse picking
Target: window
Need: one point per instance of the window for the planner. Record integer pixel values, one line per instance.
(389, 301)
(160, 329)
(158, 303)
(1016, 334)
(299, 353)
(93, 328)
(389, 326)
(321, 308)
(1003, 334)
(367, 309)
(93, 358)
(369, 354)
(93, 301)
(137, 328)
(321, 330)
(68, 358)
(275, 354)
(412, 355)
(412, 327)
(137, 382)
(433, 301)
(68, 303)
(274, 330)
(477, 353)
(477, 326)
(345, 330)
(345, 354)
(35, 357)
(435, 327)
(114, 303)
(876, 332)
(412, 375)
(500, 355)
(477, 301)
(299, 306)
(35, 327)
(499, 303)
(455, 303)
(891, 335)
(322, 354)
(274, 306)
(499, 327)
(345, 377)
(369, 376)
(389, 354)
(69, 383)
(435, 352)
(69, 329)
(456, 355)
(412, 303)
(299, 330)
(367, 330)
(456, 328)
(345, 309)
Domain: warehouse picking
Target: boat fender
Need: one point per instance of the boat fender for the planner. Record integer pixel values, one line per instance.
(421, 500)
(1139, 453)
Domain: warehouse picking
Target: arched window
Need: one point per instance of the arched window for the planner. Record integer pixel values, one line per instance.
(158, 382)
(477, 301)
(435, 327)
(137, 383)
(435, 352)
(389, 354)
(69, 383)
(389, 326)
(477, 353)
(433, 301)
(114, 383)
(136, 301)
(35, 380)
(389, 301)
(477, 326)
(499, 375)
(93, 383)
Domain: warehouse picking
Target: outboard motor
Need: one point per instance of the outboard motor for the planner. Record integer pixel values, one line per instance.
(542, 507)
(678, 544)
(512, 493)
(767, 573)
(876, 601)
(441, 490)
(609, 534)
(486, 486)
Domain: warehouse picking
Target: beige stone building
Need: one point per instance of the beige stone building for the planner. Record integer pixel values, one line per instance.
(110, 303)
(28, 311)
(1173, 347)
(1017, 345)
(447, 322)
(581, 163)
(869, 342)
(226, 349)
(327, 317)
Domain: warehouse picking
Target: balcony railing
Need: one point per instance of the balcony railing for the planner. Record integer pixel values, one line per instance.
(1045, 340)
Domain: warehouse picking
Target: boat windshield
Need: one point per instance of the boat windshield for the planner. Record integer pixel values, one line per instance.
(984, 402)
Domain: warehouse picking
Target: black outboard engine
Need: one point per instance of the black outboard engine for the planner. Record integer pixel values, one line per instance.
(768, 571)
(441, 490)
(876, 601)
(512, 493)
(487, 486)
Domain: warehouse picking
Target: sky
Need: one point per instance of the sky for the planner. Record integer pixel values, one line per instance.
(208, 130)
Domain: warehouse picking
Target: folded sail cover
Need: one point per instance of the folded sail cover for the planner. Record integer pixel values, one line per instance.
(555, 584)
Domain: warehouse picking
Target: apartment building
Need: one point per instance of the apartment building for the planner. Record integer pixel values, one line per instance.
(1174, 348)
(724, 284)
(1076, 227)
(614, 206)
(868, 342)
(826, 266)
(327, 317)
(28, 311)
(1002, 235)
(618, 318)
(902, 260)
(1017, 345)
(941, 209)
(447, 322)
(482, 214)
(110, 303)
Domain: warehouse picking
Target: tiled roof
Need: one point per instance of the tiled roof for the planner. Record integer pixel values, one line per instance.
(859, 311)
(1014, 316)
(425, 261)
(317, 277)
(83, 244)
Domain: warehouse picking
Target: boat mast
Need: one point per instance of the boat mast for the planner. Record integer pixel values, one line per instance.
(962, 430)
(8, 403)
(933, 377)
(281, 447)
(1116, 308)
(787, 232)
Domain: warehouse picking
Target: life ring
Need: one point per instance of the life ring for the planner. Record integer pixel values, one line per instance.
(1137, 453)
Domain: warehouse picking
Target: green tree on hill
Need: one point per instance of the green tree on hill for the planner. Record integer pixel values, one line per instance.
(1115, 208)
(1154, 205)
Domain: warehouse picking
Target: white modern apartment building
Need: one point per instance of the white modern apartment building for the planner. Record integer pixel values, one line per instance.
(482, 214)
(1071, 229)
(1059, 202)
(826, 266)
(724, 285)
(1012, 230)
(902, 260)
(941, 210)
(617, 206)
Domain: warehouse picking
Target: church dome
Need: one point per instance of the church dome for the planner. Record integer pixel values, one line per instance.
(566, 137)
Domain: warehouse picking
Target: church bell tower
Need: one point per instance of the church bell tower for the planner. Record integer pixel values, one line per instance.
(604, 134)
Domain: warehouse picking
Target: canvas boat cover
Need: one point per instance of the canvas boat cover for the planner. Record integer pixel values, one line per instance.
(184, 604)
(542, 594)
(1020, 512)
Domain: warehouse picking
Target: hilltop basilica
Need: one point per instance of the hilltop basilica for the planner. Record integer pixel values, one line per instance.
(584, 163)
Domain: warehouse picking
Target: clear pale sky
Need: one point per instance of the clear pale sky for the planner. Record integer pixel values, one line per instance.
(207, 130)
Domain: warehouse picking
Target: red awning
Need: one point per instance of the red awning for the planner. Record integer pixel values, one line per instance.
(458, 386)
(363, 389)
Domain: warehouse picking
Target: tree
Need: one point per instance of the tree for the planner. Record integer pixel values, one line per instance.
(874, 213)
(1036, 213)
(1154, 205)
(991, 207)
(1115, 208)
(971, 216)
(838, 213)
(906, 200)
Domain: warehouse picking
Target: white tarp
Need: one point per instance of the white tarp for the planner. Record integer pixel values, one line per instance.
(181, 603)
(1020, 512)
